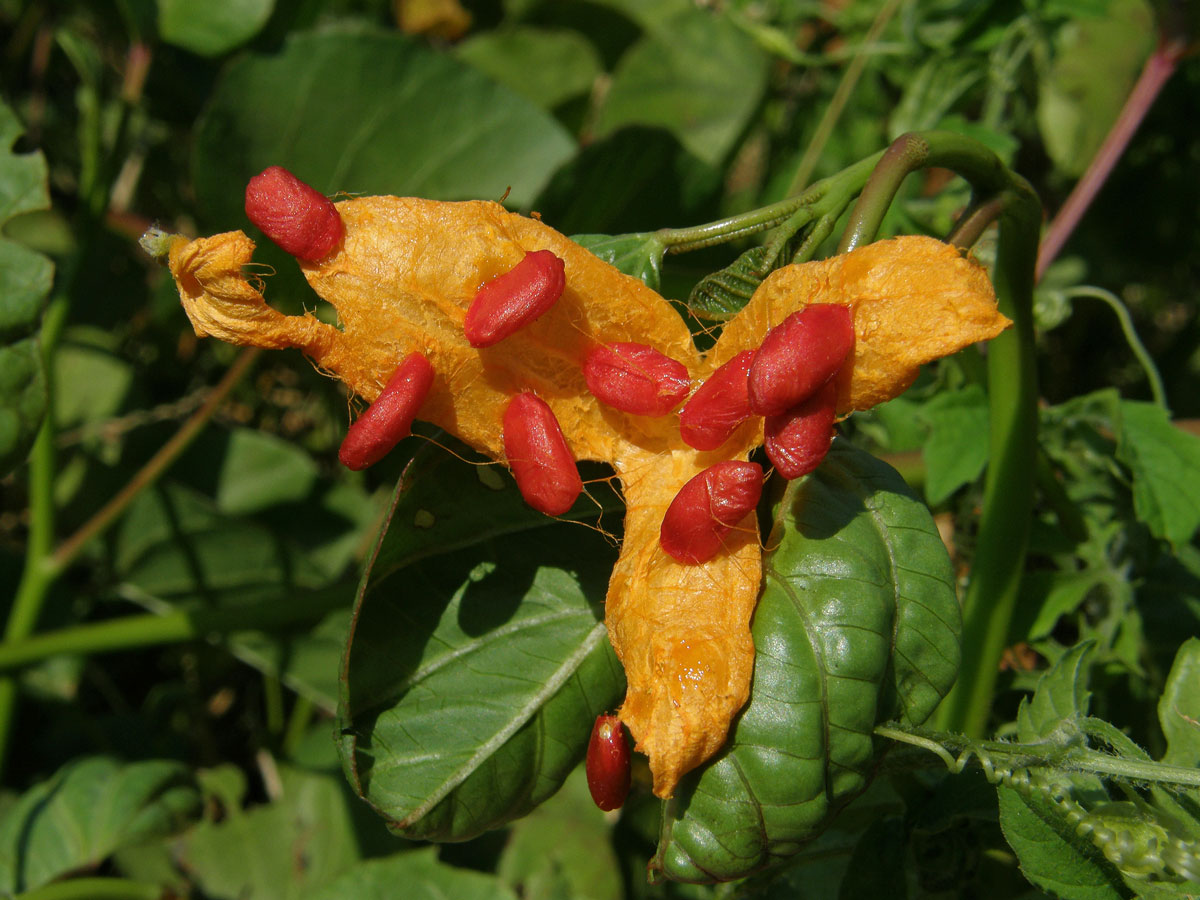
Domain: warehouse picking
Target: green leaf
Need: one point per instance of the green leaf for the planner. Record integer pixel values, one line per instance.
(639, 255)
(692, 74)
(722, 294)
(546, 66)
(284, 849)
(563, 849)
(957, 448)
(1061, 698)
(1179, 707)
(1095, 62)
(857, 624)
(85, 812)
(471, 681)
(214, 26)
(261, 470)
(91, 383)
(1165, 462)
(1052, 855)
(420, 873)
(1056, 594)
(370, 113)
(25, 279)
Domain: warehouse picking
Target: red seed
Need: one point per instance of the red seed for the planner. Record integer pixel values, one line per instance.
(608, 767)
(798, 356)
(295, 216)
(719, 405)
(509, 302)
(389, 419)
(539, 456)
(635, 378)
(711, 503)
(798, 439)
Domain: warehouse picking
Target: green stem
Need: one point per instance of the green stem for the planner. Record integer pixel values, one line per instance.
(681, 240)
(297, 727)
(1012, 399)
(841, 96)
(150, 630)
(1131, 338)
(95, 889)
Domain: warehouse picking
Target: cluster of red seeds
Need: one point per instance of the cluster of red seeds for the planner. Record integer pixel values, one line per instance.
(789, 381)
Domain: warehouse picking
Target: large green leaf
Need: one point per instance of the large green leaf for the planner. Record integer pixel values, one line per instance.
(857, 624)
(548, 66)
(370, 113)
(477, 660)
(88, 810)
(693, 74)
(1165, 462)
(25, 278)
(416, 875)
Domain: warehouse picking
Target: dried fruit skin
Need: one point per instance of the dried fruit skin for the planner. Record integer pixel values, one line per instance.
(509, 302)
(389, 419)
(798, 356)
(797, 440)
(608, 765)
(539, 456)
(719, 406)
(635, 378)
(696, 522)
(297, 217)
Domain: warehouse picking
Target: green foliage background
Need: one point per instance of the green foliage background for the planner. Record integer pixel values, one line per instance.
(170, 676)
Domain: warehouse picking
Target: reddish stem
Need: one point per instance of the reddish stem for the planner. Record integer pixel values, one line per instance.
(1157, 70)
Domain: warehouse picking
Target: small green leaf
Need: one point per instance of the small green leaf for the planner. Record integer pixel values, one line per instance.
(1179, 707)
(415, 875)
(693, 75)
(722, 294)
(563, 849)
(25, 279)
(86, 811)
(547, 66)
(857, 624)
(471, 683)
(283, 849)
(639, 255)
(261, 470)
(1165, 462)
(957, 448)
(214, 26)
(1052, 855)
(1061, 698)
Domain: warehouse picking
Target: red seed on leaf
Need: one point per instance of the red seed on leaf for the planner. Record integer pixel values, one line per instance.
(389, 419)
(711, 503)
(799, 355)
(298, 218)
(608, 766)
(719, 405)
(635, 378)
(539, 457)
(509, 302)
(797, 440)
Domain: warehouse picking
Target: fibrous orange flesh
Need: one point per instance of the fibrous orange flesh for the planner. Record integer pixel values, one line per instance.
(402, 280)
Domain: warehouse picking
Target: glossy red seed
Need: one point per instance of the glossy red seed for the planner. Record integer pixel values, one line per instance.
(509, 302)
(298, 218)
(608, 765)
(539, 457)
(389, 419)
(635, 378)
(719, 405)
(797, 440)
(799, 355)
(711, 503)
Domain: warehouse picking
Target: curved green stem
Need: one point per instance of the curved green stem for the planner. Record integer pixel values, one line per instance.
(681, 240)
(1012, 397)
(1131, 338)
(95, 889)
